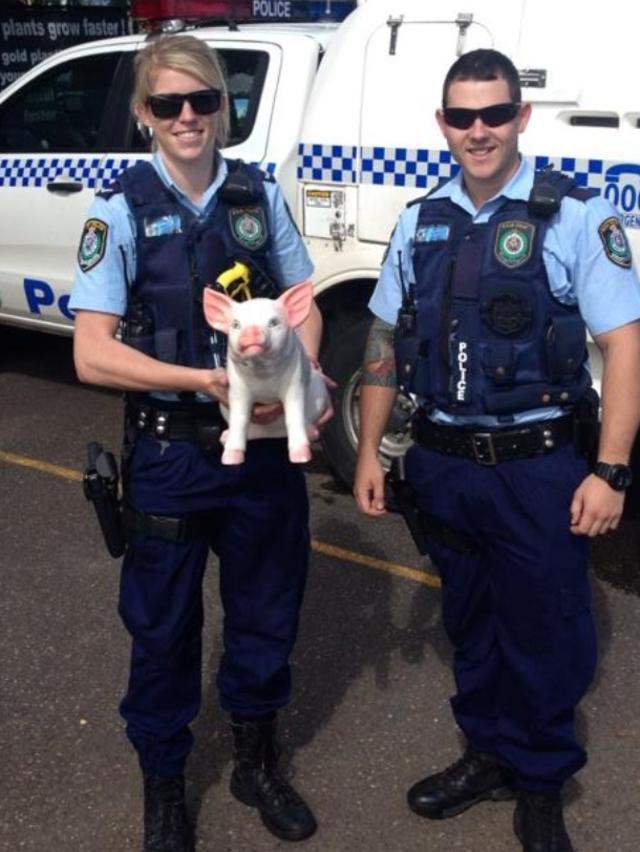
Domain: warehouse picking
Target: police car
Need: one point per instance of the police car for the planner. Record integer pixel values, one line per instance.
(337, 100)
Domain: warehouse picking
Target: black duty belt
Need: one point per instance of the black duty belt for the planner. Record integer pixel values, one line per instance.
(490, 446)
(200, 423)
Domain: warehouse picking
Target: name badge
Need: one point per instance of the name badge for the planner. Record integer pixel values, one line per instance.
(162, 226)
(432, 233)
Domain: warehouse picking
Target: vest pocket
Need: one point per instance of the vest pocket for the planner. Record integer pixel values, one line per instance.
(166, 345)
(565, 341)
(499, 363)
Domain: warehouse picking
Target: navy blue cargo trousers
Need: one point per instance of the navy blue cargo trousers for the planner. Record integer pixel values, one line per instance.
(518, 610)
(259, 531)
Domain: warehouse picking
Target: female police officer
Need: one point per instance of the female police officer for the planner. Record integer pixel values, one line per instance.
(492, 278)
(152, 241)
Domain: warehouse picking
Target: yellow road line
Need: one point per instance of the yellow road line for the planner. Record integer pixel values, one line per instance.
(56, 470)
(379, 564)
(319, 546)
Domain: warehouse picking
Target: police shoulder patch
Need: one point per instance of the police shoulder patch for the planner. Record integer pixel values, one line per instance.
(514, 243)
(93, 243)
(248, 226)
(615, 242)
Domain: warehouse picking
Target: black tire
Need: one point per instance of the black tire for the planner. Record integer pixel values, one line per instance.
(342, 361)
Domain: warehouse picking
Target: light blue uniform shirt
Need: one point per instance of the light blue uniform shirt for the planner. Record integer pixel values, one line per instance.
(580, 273)
(103, 288)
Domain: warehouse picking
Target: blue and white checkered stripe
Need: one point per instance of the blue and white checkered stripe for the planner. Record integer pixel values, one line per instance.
(333, 163)
(422, 168)
(586, 173)
(95, 173)
(413, 167)
(39, 171)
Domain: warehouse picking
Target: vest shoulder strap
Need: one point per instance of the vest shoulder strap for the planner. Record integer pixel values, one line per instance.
(142, 185)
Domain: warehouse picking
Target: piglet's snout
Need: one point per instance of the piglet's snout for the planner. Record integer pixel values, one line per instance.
(252, 340)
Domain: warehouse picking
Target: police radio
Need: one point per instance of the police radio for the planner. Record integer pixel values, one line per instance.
(406, 341)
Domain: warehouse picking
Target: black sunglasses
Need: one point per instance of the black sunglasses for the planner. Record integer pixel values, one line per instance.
(493, 116)
(203, 102)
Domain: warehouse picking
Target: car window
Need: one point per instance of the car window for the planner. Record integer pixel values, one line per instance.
(61, 111)
(245, 72)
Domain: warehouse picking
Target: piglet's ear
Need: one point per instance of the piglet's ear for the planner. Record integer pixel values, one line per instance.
(217, 309)
(296, 302)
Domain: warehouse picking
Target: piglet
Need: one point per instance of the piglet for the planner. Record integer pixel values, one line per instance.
(266, 362)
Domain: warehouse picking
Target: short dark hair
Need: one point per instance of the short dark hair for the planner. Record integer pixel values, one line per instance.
(483, 64)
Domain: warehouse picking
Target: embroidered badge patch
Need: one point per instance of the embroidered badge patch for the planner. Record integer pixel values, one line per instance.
(248, 226)
(615, 242)
(432, 233)
(514, 243)
(93, 243)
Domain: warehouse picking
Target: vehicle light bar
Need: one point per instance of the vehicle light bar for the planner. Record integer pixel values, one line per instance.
(242, 11)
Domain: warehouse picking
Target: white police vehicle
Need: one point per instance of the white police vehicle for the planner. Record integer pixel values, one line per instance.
(342, 113)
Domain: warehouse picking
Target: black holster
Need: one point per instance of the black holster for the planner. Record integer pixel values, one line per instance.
(400, 497)
(100, 485)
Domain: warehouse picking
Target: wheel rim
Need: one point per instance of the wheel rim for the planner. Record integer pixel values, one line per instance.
(396, 440)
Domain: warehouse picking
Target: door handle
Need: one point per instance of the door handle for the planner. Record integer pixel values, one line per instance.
(65, 186)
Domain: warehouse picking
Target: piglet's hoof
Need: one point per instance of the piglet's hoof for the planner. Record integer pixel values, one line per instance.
(233, 457)
(300, 455)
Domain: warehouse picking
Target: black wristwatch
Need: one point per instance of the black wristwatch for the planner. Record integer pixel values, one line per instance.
(618, 476)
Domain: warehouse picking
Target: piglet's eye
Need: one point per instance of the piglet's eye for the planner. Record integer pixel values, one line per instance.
(273, 322)
(235, 324)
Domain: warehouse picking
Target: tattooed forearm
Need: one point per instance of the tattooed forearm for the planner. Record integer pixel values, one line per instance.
(379, 367)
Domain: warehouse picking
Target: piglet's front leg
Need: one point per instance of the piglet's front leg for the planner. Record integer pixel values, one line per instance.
(240, 404)
(294, 414)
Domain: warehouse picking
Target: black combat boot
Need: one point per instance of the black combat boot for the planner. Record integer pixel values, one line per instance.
(471, 779)
(166, 828)
(257, 782)
(539, 824)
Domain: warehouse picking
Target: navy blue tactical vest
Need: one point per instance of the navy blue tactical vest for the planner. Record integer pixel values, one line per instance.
(179, 252)
(490, 337)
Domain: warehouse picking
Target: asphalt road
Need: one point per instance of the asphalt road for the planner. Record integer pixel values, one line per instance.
(370, 712)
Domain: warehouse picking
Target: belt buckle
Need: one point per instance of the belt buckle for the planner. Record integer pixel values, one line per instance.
(484, 450)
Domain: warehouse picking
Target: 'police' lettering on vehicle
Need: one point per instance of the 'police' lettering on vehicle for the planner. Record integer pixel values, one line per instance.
(41, 294)
(624, 195)
(272, 8)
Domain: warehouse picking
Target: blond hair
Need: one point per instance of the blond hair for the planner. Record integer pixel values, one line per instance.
(187, 54)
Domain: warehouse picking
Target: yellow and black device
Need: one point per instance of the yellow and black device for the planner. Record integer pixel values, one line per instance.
(235, 282)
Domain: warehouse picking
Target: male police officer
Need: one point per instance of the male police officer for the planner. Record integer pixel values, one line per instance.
(150, 246)
(489, 282)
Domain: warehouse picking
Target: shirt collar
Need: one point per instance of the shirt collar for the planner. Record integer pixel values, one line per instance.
(517, 188)
(214, 186)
